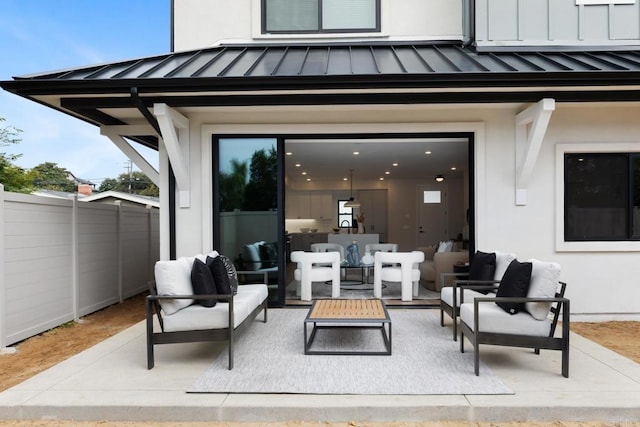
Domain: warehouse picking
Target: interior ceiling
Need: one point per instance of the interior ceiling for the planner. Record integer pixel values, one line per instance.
(331, 160)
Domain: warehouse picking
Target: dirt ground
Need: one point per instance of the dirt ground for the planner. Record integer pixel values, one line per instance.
(39, 353)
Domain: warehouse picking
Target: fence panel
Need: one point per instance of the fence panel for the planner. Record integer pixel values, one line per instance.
(97, 257)
(63, 259)
(38, 251)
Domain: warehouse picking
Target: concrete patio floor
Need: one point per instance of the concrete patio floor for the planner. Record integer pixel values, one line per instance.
(110, 382)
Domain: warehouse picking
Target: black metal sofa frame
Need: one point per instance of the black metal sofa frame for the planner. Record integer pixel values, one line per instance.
(549, 342)
(219, 334)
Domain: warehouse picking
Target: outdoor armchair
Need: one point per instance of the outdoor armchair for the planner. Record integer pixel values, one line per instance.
(478, 283)
(483, 321)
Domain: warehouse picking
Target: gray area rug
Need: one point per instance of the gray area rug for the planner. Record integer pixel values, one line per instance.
(269, 358)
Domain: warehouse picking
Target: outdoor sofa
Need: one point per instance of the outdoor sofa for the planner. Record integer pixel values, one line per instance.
(199, 299)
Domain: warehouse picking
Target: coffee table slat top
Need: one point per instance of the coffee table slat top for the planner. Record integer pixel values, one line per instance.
(348, 309)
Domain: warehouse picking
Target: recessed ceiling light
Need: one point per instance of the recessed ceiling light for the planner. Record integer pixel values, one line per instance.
(345, 179)
(304, 173)
(298, 165)
(308, 179)
(289, 153)
(395, 164)
(427, 152)
(355, 153)
(387, 173)
(453, 168)
(381, 178)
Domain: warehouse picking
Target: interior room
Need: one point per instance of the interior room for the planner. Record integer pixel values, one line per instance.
(412, 192)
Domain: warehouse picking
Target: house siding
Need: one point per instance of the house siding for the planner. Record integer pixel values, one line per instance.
(204, 23)
(519, 23)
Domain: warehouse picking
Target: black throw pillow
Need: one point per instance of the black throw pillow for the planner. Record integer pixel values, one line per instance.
(202, 282)
(220, 276)
(268, 255)
(482, 267)
(514, 283)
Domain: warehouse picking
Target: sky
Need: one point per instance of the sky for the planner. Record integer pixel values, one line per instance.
(38, 36)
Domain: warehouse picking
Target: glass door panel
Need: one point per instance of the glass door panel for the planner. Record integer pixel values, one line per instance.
(248, 230)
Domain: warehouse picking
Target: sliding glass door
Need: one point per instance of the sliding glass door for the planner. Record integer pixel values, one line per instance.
(248, 220)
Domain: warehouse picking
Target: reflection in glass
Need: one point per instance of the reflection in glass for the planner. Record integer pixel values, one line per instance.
(248, 205)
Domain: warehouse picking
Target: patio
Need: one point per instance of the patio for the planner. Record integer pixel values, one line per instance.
(110, 382)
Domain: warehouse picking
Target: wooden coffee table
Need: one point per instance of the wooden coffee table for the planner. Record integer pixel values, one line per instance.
(348, 314)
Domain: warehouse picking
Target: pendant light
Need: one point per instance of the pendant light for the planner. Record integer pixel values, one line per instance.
(352, 203)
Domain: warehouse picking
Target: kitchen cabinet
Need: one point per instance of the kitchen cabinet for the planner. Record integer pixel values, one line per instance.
(310, 205)
(298, 205)
(322, 206)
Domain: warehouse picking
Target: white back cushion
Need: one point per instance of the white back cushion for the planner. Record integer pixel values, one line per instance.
(174, 278)
(502, 262)
(544, 283)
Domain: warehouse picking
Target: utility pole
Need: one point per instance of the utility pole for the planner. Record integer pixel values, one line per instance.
(129, 169)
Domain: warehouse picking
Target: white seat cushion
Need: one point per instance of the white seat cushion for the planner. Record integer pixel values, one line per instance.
(197, 317)
(494, 319)
(446, 295)
(394, 274)
(256, 293)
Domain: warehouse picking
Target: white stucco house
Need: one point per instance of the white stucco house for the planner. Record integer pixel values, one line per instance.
(529, 109)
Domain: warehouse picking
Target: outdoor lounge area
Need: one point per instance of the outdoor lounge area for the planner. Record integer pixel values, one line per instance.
(603, 386)
(514, 383)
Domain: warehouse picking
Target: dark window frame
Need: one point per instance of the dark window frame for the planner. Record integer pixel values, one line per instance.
(320, 30)
(341, 215)
(629, 233)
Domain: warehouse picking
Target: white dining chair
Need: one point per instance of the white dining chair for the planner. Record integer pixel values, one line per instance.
(316, 267)
(405, 271)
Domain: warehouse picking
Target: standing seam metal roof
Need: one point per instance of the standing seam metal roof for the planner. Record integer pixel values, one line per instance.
(345, 60)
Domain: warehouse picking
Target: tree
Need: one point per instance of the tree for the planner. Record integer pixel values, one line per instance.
(13, 178)
(134, 182)
(260, 193)
(50, 176)
(108, 184)
(232, 186)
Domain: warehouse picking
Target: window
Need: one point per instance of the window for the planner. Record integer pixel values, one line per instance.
(345, 215)
(320, 16)
(602, 196)
(431, 197)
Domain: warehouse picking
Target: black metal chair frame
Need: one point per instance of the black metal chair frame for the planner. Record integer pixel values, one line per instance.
(218, 334)
(549, 342)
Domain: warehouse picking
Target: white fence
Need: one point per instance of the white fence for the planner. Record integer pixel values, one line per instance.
(62, 259)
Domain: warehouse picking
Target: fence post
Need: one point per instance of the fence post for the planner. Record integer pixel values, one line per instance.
(150, 242)
(75, 264)
(118, 203)
(3, 278)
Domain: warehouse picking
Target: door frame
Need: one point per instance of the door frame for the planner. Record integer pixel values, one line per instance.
(473, 131)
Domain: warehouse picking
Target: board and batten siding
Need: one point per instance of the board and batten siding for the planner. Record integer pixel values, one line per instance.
(556, 22)
(63, 259)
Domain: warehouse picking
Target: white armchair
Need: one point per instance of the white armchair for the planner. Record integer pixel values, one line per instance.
(316, 267)
(406, 272)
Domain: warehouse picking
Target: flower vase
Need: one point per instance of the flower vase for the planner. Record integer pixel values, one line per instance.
(360, 228)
